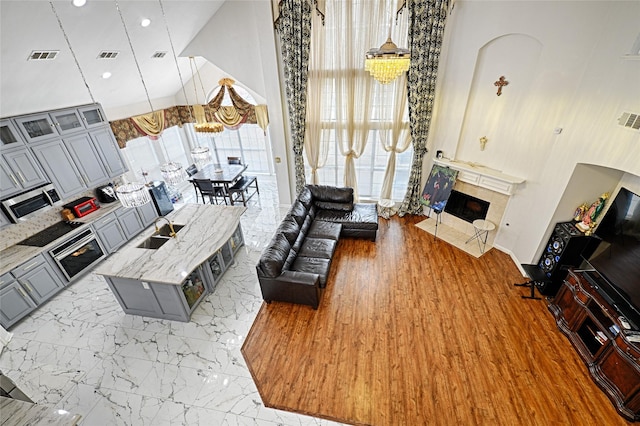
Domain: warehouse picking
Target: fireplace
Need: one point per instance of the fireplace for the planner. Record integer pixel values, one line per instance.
(466, 207)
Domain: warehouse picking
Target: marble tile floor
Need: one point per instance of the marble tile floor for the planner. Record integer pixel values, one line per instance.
(81, 353)
(454, 237)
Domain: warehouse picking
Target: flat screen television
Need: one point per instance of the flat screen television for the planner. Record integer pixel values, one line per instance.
(616, 262)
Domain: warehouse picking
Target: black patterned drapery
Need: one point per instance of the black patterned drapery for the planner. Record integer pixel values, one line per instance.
(294, 27)
(426, 28)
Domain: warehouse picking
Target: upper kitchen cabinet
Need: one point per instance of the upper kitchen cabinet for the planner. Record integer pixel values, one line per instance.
(19, 171)
(87, 159)
(109, 152)
(67, 121)
(55, 159)
(93, 116)
(9, 135)
(36, 127)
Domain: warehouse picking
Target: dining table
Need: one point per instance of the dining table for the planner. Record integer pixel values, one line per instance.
(223, 175)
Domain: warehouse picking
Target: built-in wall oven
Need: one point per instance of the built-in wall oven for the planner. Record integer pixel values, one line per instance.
(77, 253)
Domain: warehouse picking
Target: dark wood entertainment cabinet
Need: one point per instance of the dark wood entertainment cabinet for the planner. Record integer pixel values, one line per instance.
(595, 330)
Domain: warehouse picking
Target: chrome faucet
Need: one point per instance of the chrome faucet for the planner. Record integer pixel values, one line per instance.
(172, 234)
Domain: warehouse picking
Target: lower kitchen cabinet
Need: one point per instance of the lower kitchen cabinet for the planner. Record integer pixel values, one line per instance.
(130, 221)
(160, 300)
(28, 286)
(110, 232)
(148, 214)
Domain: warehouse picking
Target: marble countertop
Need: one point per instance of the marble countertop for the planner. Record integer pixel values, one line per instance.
(16, 255)
(17, 412)
(207, 228)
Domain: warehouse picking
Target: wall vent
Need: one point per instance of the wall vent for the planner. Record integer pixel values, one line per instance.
(630, 120)
(158, 55)
(105, 54)
(40, 55)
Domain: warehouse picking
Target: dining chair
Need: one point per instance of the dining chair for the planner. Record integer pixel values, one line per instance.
(192, 170)
(213, 192)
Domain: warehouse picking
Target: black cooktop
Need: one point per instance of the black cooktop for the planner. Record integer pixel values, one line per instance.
(50, 234)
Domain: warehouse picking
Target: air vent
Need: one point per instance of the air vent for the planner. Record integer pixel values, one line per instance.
(158, 55)
(105, 54)
(629, 120)
(41, 55)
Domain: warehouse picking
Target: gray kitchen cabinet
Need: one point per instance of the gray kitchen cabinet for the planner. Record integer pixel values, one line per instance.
(67, 121)
(27, 286)
(58, 164)
(15, 304)
(36, 127)
(148, 214)
(9, 184)
(107, 148)
(110, 232)
(24, 169)
(9, 135)
(159, 300)
(130, 221)
(87, 160)
(93, 116)
(38, 278)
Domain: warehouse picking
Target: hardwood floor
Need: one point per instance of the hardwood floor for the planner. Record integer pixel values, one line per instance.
(412, 331)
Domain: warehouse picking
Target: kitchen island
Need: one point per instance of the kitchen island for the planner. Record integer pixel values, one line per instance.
(163, 276)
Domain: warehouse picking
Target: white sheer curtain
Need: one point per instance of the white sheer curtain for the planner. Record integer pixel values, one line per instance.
(346, 106)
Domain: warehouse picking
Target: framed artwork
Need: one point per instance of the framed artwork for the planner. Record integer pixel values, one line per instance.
(438, 187)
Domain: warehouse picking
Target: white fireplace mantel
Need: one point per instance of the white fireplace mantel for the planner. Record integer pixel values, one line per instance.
(482, 176)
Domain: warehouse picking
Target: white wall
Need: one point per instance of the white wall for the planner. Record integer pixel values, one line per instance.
(575, 79)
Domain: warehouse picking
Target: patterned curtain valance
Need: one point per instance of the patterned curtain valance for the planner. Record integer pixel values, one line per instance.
(151, 124)
(232, 117)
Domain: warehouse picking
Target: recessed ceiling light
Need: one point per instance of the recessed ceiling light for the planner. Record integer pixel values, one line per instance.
(106, 75)
(145, 22)
(79, 3)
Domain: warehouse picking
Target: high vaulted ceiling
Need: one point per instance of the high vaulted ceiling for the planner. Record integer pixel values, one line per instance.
(32, 25)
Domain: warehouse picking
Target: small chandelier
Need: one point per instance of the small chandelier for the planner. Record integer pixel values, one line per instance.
(172, 173)
(388, 62)
(133, 194)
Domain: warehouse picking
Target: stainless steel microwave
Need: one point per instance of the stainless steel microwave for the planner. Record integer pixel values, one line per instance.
(20, 207)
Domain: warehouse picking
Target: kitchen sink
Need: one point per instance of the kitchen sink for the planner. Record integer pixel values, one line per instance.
(165, 230)
(154, 242)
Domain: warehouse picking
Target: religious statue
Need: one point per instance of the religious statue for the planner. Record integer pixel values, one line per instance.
(588, 220)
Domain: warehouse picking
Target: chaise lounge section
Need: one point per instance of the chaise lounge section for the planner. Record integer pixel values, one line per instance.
(295, 265)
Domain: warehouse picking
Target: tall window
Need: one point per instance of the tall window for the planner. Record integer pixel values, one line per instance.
(356, 114)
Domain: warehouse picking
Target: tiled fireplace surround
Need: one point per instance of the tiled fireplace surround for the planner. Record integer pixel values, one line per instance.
(498, 204)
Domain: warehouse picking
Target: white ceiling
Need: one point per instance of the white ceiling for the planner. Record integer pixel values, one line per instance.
(33, 86)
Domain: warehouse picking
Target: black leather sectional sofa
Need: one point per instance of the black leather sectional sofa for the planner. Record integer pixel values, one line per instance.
(295, 265)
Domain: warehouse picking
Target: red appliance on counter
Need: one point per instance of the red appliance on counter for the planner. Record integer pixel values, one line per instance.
(83, 206)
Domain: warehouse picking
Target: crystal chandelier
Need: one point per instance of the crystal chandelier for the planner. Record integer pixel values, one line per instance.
(388, 62)
(133, 194)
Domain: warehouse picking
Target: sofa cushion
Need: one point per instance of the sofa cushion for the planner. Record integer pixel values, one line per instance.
(331, 193)
(289, 228)
(298, 212)
(274, 256)
(363, 216)
(323, 229)
(306, 198)
(314, 265)
(317, 247)
(328, 205)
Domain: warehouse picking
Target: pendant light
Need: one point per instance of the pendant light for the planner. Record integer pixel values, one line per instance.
(389, 61)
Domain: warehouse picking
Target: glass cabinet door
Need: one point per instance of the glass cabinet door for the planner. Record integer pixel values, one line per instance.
(237, 239)
(67, 121)
(9, 136)
(216, 267)
(92, 116)
(193, 287)
(36, 127)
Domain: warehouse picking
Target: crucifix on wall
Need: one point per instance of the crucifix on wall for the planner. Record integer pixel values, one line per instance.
(500, 84)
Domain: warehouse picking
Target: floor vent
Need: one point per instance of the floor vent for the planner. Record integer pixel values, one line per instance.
(40, 55)
(158, 55)
(630, 120)
(108, 55)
